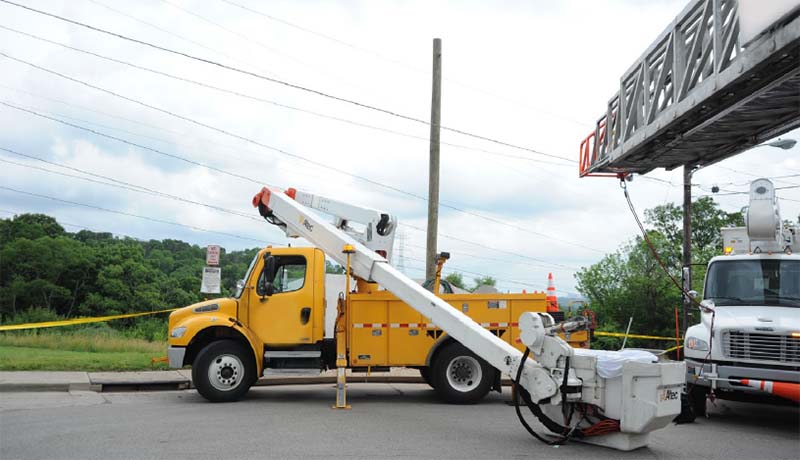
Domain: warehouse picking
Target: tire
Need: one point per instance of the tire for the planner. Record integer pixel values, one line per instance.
(697, 399)
(223, 371)
(425, 372)
(460, 376)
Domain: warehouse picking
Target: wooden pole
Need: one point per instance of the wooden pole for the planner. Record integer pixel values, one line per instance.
(433, 166)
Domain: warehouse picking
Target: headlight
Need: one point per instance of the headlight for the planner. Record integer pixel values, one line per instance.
(693, 343)
(178, 332)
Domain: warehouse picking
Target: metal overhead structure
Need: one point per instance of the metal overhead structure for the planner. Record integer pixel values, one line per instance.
(723, 77)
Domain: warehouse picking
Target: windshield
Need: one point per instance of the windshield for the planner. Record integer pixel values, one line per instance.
(240, 286)
(754, 282)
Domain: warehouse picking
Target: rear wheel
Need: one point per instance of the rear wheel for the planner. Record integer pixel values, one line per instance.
(223, 371)
(460, 376)
(425, 372)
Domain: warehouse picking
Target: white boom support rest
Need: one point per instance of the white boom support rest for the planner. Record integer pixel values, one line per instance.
(637, 417)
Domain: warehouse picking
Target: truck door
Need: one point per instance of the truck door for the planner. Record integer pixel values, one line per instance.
(283, 316)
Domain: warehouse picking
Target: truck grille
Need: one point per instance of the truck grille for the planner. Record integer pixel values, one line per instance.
(765, 347)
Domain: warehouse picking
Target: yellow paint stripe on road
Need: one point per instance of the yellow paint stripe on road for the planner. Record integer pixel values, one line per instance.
(70, 322)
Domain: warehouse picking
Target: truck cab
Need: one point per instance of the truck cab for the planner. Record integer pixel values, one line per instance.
(750, 313)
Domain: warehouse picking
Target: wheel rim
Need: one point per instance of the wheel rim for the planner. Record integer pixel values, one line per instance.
(464, 373)
(225, 372)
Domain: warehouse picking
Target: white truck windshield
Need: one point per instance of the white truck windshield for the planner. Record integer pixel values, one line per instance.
(772, 282)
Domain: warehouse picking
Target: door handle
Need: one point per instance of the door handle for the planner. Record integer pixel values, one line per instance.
(305, 315)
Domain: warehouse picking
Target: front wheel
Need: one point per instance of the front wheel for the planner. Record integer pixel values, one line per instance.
(460, 376)
(223, 371)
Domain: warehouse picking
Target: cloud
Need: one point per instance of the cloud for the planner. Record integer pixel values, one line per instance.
(536, 74)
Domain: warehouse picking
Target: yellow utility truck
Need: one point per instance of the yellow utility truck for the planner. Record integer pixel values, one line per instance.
(461, 343)
(275, 323)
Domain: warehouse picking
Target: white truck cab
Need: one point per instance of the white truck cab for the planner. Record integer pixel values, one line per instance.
(750, 314)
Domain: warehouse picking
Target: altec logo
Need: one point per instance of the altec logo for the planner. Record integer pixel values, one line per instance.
(669, 395)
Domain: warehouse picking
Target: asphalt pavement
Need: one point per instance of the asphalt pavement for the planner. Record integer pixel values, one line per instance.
(386, 421)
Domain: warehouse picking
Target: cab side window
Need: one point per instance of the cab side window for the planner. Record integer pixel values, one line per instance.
(290, 275)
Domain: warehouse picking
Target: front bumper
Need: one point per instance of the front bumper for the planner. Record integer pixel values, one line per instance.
(712, 371)
(175, 356)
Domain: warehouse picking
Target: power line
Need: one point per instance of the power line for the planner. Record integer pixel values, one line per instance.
(123, 213)
(125, 141)
(282, 82)
(474, 243)
(173, 34)
(271, 102)
(400, 63)
(492, 259)
(276, 149)
(119, 184)
(82, 227)
(452, 269)
(99, 133)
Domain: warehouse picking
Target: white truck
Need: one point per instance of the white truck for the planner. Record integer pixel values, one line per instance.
(750, 312)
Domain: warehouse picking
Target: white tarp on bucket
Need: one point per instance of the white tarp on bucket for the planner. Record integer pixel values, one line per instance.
(609, 363)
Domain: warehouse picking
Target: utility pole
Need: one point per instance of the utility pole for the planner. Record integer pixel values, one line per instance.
(433, 166)
(687, 242)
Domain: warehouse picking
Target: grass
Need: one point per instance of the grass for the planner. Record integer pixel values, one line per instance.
(42, 359)
(89, 349)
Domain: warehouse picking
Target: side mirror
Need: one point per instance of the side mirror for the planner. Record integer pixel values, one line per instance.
(268, 273)
(693, 294)
(707, 305)
(269, 269)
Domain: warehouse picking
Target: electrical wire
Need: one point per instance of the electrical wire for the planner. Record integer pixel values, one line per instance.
(123, 213)
(281, 82)
(118, 183)
(503, 251)
(173, 34)
(133, 144)
(275, 103)
(266, 146)
(99, 133)
(650, 245)
(400, 63)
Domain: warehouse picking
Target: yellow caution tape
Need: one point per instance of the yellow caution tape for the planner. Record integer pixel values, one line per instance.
(70, 322)
(633, 336)
(672, 349)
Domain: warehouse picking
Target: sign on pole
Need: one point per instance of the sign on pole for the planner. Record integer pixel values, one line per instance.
(212, 255)
(212, 277)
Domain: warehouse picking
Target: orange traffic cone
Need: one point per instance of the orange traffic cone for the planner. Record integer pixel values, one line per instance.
(551, 299)
(783, 389)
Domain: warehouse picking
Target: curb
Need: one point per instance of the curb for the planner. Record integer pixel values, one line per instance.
(178, 385)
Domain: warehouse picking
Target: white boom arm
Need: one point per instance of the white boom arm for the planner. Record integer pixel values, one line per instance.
(542, 381)
(379, 226)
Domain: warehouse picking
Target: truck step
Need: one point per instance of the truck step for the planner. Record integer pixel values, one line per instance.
(292, 372)
(292, 354)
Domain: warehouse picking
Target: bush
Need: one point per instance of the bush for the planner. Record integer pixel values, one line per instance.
(34, 315)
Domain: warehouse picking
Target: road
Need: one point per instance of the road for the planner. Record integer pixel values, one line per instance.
(386, 421)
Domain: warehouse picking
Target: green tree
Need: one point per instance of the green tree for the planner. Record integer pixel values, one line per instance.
(483, 281)
(334, 268)
(631, 283)
(456, 279)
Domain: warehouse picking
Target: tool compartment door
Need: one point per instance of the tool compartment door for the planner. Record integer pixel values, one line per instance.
(408, 342)
(368, 332)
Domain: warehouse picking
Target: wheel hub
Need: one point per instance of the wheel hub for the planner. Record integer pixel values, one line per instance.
(225, 372)
(464, 373)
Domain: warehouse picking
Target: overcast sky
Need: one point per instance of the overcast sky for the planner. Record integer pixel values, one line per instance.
(536, 74)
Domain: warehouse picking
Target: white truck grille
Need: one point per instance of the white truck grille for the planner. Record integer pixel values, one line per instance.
(765, 347)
